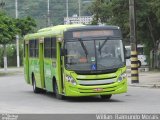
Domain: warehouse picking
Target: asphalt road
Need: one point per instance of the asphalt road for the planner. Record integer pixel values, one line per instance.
(17, 97)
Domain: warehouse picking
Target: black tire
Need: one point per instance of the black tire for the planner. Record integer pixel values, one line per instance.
(106, 97)
(139, 63)
(56, 93)
(35, 89)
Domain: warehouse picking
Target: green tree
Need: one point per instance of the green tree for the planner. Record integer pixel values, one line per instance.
(26, 25)
(101, 11)
(7, 33)
(147, 19)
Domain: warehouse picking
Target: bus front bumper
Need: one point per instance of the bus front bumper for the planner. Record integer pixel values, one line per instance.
(79, 90)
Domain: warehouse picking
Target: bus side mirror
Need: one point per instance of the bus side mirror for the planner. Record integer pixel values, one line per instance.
(127, 54)
(63, 51)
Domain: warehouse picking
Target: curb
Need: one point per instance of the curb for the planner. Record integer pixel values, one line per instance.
(147, 86)
(11, 72)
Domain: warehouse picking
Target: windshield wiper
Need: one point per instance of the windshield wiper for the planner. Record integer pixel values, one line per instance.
(83, 46)
(102, 45)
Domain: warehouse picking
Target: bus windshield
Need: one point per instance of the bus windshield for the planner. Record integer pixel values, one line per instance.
(94, 55)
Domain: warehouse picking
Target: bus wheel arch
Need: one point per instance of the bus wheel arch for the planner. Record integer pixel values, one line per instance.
(55, 89)
(35, 89)
(32, 78)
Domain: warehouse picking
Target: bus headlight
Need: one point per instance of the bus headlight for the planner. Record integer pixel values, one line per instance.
(122, 77)
(70, 80)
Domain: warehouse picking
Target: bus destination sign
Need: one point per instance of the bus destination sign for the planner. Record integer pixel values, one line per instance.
(93, 33)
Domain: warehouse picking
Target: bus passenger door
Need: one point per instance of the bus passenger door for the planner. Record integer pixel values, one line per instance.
(41, 62)
(26, 61)
(59, 68)
(37, 63)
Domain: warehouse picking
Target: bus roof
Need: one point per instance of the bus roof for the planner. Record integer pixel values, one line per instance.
(51, 31)
(94, 27)
(59, 29)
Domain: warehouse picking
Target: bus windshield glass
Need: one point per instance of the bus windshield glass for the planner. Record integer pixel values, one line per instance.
(94, 55)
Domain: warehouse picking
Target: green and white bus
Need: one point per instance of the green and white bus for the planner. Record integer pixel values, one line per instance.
(76, 60)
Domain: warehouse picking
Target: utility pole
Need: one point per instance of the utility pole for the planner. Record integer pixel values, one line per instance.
(79, 4)
(17, 37)
(67, 20)
(134, 59)
(67, 8)
(48, 14)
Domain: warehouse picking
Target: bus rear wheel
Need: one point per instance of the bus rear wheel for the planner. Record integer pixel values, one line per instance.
(35, 89)
(106, 97)
(56, 93)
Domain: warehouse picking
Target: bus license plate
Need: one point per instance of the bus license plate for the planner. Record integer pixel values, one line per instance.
(98, 89)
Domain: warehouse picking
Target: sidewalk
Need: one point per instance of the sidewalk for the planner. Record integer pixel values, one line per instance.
(11, 71)
(146, 79)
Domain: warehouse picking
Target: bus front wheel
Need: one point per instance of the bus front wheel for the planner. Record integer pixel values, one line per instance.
(56, 93)
(35, 89)
(106, 97)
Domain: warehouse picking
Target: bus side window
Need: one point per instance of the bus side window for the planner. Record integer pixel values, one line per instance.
(31, 48)
(53, 47)
(47, 47)
(36, 48)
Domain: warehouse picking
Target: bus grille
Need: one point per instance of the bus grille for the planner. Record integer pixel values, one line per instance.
(90, 82)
